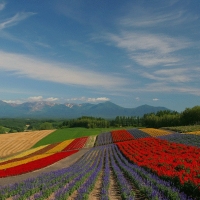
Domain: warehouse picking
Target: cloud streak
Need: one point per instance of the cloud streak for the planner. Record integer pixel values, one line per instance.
(157, 19)
(2, 6)
(15, 19)
(176, 75)
(89, 99)
(30, 67)
(162, 14)
(32, 99)
(167, 88)
(149, 49)
(40, 98)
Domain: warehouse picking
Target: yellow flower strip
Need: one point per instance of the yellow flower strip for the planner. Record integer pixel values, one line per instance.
(60, 146)
(155, 132)
(24, 153)
(55, 149)
(194, 132)
(33, 158)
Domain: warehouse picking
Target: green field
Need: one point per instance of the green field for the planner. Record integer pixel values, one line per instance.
(70, 133)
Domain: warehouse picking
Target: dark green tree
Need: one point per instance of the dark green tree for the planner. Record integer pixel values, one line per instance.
(46, 126)
(2, 130)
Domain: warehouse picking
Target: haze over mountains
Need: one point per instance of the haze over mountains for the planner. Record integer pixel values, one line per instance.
(45, 109)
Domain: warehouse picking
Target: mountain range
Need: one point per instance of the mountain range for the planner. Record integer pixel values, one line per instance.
(44, 109)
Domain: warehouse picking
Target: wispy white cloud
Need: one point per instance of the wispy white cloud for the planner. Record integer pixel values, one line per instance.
(157, 19)
(12, 101)
(89, 99)
(149, 49)
(41, 98)
(15, 19)
(164, 87)
(155, 99)
(2, 5)
(42, 44)
(168, 88)
(175, 75)
(36, 98)
(32, 99)
(27, 66)
(154, 59)
(51, 99)
(137, 98)
(163, 14)
(99, 99)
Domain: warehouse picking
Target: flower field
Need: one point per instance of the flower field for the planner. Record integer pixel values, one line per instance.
(40, 157)
(166, 159)
(194, 132)
(188, 139)
(121, 135)
(104, 138)
(121, 164)
(155, 132)
(136, 133)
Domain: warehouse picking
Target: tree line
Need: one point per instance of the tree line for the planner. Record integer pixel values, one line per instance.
(166, 118)
(190, 116)
(12, 125)
(86, 122)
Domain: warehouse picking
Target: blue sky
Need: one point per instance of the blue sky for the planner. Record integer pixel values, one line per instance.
(128, 52)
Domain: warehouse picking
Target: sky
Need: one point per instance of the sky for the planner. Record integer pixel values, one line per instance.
(89, 51)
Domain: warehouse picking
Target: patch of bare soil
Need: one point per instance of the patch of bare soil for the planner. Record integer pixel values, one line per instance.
(96, 192)
(73, 195)
(138, 194)
(114, 192)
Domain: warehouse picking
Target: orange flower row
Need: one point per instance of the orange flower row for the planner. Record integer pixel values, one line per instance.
(155, 132)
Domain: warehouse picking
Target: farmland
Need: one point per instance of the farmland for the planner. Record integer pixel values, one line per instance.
(119, 164)
(17, 142)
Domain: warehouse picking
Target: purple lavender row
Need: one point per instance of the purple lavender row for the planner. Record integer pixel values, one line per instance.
(103, 139)
(83, 173)
(125, 187)
(87, 187)
(46, 181)
(47, 189)
(136, 133)
(106, 177)
(187, 139)
(148, 183)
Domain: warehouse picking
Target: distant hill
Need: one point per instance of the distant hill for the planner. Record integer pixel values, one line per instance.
(68, 110)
